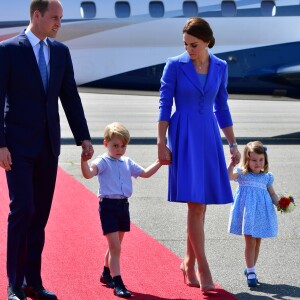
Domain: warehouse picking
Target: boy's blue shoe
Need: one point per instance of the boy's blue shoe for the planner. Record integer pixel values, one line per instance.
(253, 281)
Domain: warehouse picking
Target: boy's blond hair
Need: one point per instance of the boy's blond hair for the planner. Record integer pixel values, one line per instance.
(258, 148)
(118, 130)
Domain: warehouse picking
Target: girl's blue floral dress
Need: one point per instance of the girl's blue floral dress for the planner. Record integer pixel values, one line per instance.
(252, 211)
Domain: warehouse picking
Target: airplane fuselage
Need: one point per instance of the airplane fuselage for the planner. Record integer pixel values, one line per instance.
(126, 46)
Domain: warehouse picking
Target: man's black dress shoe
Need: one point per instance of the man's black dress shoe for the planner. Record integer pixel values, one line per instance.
(38, 293)
(15, 293)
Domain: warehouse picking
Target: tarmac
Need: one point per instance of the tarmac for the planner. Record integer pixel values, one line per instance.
(273, 120)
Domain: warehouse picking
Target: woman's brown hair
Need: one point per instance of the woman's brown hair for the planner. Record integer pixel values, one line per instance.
(200, 29)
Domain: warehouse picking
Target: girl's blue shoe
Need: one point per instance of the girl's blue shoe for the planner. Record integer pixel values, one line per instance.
(253, 281)
(245, 273)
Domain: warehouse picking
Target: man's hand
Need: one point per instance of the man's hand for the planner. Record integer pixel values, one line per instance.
(5, 159)
(87, 150)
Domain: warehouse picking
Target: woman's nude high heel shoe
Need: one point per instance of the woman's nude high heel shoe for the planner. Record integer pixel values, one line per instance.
(191, 283)
(206, 288)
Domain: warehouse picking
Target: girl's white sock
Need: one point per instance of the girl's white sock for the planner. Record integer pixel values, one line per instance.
(251, 270)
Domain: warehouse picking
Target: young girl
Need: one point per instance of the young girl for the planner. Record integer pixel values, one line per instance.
(252, 212)
(114, 173)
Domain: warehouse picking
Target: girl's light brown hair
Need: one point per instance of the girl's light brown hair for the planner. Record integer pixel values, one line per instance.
(118, 130)
(258, 148)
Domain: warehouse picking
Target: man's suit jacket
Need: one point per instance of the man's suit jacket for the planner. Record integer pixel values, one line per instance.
(29, 110)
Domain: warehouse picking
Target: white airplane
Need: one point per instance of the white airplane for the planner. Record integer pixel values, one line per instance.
(125, 44)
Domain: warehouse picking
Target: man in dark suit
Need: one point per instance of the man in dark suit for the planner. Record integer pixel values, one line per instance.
(30, 138)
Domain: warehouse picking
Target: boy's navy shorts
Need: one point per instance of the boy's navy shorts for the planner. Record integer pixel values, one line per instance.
(114, 215)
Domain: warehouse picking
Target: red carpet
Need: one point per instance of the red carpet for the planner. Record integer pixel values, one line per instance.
(75, 247)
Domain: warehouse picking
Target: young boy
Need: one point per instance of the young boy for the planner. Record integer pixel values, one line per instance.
(114, 172)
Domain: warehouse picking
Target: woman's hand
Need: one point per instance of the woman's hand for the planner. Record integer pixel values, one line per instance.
(164, 155)
(235, 155)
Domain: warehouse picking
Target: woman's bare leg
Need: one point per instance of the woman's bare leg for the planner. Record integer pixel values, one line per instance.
(188, 265)
(196, 217)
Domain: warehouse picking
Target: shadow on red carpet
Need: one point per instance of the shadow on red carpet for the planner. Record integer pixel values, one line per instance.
(75, 247)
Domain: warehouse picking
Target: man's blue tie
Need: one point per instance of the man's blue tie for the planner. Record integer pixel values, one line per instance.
(43, 66)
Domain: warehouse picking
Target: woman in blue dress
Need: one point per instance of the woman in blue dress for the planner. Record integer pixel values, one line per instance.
(253, 213)
(196, 80)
